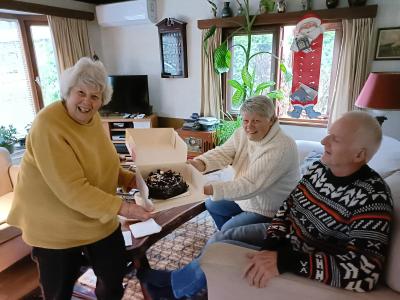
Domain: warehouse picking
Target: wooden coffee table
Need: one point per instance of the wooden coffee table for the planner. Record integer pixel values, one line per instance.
(169, 220)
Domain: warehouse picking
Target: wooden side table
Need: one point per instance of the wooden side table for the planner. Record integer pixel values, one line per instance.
(197, 142)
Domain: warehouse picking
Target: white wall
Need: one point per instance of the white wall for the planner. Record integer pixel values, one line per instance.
(135, 50)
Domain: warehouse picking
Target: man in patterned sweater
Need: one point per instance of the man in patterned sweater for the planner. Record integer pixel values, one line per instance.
(334, 227)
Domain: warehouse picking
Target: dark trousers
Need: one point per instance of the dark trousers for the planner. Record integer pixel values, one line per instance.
(59, 268)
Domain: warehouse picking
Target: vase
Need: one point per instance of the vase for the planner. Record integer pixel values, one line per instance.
(281, 6)
(331, 3)
(226, 11)
(357, 2)
(307, 4)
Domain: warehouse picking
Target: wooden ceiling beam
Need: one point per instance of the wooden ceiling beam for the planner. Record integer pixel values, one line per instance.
(46, 10)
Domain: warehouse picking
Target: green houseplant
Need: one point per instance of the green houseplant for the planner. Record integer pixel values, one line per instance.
(8, 137)
(248, 85)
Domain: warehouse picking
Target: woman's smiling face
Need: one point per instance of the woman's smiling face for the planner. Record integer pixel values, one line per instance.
(256, 126)
(83, 102)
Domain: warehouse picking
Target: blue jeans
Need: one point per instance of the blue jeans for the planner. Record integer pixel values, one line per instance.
(191, 279)
(227, 214)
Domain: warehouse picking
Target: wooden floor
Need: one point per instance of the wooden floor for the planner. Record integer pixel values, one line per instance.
(19, 280)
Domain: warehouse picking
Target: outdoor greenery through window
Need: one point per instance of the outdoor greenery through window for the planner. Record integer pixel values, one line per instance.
(265, 66)
(262, 64)
(21, 93)
(46, 62)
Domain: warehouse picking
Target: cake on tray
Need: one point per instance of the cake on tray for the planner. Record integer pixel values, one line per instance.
(165, 184)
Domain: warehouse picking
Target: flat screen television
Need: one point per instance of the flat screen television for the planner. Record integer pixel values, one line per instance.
(130, 96)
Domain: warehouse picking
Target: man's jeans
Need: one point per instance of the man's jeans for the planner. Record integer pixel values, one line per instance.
(191, 279)
(227, 214)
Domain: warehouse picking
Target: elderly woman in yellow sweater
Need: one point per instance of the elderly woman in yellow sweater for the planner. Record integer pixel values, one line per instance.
(266, 168)
(65, 200)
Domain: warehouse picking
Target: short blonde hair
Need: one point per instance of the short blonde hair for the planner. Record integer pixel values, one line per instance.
(89, 73)
(261, 105)
(368, 132)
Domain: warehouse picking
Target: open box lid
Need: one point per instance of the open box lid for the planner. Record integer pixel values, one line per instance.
(151, 146)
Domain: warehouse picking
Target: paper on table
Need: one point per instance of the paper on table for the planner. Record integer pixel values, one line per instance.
(144, 228)
(127, 238)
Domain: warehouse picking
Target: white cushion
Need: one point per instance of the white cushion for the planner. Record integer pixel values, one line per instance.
(305, 147)
(393, 263)
(387, 160)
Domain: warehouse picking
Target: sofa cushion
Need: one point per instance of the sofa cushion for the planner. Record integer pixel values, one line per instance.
(393, 263)
(8, 232)
(223, 265)
(5, 162)
(5, 206)
(386, 161)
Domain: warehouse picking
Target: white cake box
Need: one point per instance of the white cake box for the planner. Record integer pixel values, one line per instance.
(162, 148)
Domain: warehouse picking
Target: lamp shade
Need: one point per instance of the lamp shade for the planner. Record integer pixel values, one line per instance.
(381, 91)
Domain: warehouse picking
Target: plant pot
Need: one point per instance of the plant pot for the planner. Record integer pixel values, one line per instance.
(357, 2)
(9, 147)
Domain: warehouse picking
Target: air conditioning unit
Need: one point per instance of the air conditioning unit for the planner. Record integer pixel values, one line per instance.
(127, 13)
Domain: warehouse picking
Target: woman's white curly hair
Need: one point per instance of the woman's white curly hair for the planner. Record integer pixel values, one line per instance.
(89, 73)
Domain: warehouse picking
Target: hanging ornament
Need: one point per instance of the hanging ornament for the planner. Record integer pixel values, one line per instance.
(307, 50)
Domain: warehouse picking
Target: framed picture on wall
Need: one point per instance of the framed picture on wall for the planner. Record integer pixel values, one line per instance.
(388, 44)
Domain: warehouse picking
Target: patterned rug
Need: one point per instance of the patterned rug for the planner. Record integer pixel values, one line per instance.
(175, 250)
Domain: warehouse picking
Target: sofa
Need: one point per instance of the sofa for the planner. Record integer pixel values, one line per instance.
(12, 247)
(224, 263)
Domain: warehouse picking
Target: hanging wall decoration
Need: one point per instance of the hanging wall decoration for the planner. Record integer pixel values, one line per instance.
(307, 50)
(172, 36)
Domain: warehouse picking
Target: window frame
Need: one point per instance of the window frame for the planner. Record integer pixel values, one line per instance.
(24, 23)
(277, 50)
(274, 67)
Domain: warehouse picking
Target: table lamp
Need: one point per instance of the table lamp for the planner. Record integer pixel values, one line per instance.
(381, 91)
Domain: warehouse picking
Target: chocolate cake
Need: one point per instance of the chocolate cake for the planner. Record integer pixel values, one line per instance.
(165, 184)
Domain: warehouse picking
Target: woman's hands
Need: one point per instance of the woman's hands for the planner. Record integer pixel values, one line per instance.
(134, 211)
(198, 164)
(261, 268)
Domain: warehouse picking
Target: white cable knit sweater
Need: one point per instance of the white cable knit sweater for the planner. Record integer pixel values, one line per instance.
(266, 171)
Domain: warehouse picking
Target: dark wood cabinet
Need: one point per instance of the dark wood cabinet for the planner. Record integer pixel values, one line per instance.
(197, 142)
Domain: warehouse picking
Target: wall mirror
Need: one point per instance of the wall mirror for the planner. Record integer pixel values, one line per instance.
(172, 35)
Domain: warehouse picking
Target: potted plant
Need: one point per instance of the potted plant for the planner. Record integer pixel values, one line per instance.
(248, 86)
(8, 137)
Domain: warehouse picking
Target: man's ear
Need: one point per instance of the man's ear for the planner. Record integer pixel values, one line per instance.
(361, 156)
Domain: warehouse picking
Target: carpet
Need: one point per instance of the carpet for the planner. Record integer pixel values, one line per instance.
(175, 251)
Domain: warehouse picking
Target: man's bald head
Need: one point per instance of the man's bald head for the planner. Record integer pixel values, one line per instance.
(366, 131)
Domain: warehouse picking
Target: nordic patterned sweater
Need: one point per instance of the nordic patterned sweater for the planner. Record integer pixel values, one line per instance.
(334, 229)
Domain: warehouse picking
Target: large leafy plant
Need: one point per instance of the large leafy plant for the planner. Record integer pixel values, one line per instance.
(247, 86)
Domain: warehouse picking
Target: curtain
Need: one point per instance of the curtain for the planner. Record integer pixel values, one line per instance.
(353, 65)
(71, 40)
(211, 86)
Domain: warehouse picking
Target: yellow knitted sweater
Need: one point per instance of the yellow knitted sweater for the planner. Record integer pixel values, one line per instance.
(65, 195)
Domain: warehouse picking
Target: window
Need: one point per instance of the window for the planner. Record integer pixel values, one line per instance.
(266, 66)
(263, 64)
(28, 74)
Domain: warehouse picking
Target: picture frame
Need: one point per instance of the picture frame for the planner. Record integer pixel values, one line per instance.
(388, 44)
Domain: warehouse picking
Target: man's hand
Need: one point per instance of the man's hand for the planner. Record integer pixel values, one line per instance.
(261, 268)
(198, 164)
(208, 190)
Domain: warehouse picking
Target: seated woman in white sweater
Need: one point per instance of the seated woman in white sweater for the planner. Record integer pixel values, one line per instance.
(266, 168)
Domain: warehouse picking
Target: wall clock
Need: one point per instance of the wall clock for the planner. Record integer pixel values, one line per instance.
(173, 50)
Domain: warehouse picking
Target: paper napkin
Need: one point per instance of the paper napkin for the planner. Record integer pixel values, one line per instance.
(144, 228)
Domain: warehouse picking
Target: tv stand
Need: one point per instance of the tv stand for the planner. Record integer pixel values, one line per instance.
(115, 129)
